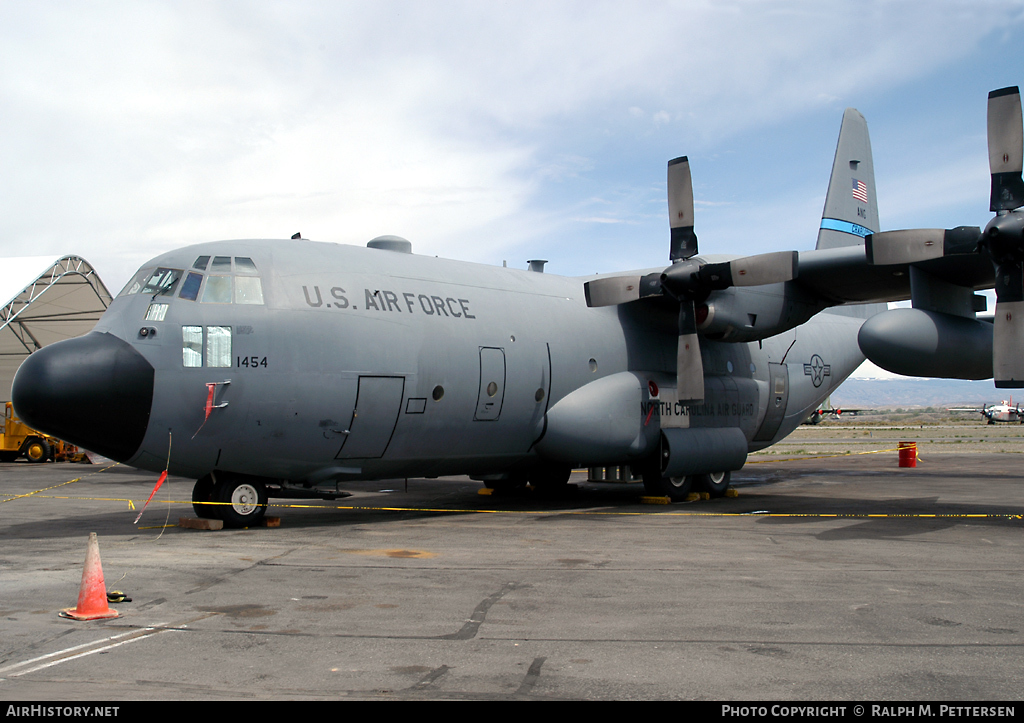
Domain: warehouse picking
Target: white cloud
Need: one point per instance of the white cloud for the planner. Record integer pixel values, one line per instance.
(132, 128)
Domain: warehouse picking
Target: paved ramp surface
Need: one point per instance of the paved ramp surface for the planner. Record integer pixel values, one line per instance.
(441, 593)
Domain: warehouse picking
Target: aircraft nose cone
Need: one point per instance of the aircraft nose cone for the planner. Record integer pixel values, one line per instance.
(94, 391)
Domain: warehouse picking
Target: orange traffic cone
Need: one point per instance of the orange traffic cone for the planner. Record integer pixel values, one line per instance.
(92, 595)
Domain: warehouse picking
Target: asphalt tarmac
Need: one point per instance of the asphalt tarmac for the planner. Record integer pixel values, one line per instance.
(840, 579)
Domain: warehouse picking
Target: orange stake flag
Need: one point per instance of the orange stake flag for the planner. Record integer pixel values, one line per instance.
(163, 476)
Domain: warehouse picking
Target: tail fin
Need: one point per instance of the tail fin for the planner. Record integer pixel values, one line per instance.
(851, 208)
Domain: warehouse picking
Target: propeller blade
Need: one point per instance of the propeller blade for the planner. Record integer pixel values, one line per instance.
(689, 367)
(680, 209)
(612, 290)
(1008, 344)
(1008, 327)
(689, 370)
(920, 244)
(773, 268)
(1005, 149)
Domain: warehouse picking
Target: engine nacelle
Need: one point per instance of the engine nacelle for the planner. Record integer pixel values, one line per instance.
(742, 314)
(601, 423)
(920, 343)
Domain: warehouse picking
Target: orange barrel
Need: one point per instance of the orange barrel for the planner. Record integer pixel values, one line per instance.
(908, 454)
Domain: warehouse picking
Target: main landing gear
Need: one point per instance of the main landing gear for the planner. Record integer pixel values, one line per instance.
(238, 500)
(679, 489)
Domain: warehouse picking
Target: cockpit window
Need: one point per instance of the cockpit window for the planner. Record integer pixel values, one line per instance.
(162, 282)
(201, 263)
(248, 290)
(221, 264)
(135, 285)
(244, 265)
(190, 287)
(156, 312)
(218, 290)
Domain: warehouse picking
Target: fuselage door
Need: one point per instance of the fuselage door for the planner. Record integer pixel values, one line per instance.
(492, 384)
(378, 402)
(778, 398)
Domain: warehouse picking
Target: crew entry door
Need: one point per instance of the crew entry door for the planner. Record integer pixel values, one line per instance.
(491, 394)
(378, 402)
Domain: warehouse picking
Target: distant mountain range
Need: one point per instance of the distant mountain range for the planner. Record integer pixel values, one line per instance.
(910, 392)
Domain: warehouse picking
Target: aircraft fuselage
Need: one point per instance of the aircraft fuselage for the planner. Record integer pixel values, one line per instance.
(316, 362)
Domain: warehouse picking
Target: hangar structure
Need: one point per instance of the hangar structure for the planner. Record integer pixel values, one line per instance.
(44, 299)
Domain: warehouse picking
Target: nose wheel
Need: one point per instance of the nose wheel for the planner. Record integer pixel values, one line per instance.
(202, 499)
(238, 501)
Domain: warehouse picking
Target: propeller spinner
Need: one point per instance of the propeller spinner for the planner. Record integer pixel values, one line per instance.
(1002, 240)
(689, 281)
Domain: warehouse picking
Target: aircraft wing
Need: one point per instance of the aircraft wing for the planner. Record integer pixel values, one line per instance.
(843, 274)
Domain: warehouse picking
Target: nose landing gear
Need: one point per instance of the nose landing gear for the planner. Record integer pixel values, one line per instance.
(238, 500)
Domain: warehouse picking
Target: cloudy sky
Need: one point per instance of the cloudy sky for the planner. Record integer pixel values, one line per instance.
(484, 131)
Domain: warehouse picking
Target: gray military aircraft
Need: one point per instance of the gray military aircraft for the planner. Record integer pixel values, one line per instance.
(827, 410)
(286, 367)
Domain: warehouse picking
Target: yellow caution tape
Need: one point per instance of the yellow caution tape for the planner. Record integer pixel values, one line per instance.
(581, 513)
(53, 487)
(821, 456)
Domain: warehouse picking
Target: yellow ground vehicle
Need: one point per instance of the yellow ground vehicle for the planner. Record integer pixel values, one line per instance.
(17, 439)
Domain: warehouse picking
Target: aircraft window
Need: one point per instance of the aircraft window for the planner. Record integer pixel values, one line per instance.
(218, 290)
(248, 290)
(135, 285)
(221, 263)
(218, 346)
(192, 346)
(190, 289)
(244, 265)
(201, 263)
(156, 312)
(162, 282)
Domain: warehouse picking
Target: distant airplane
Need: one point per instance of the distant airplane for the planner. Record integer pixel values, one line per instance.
(286, 367)
(827, 410)
(1007, 411)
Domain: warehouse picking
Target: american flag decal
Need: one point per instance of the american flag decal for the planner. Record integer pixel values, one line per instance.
(860, 191)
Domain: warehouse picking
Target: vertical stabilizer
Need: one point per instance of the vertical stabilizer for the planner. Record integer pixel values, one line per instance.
(851, 207)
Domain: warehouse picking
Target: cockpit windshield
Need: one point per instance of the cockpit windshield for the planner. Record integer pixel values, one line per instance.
(162, 282)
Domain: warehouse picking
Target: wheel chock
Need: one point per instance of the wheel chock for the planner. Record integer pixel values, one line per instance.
(203, 523)
(200, 523)
(92, 594)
